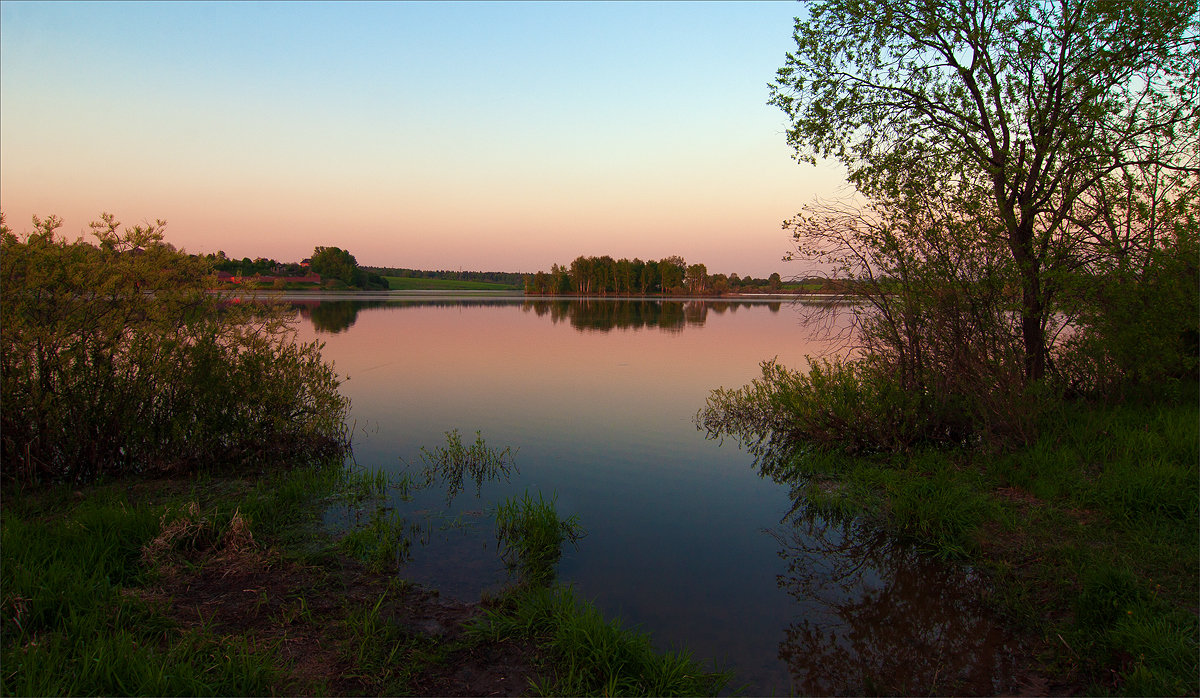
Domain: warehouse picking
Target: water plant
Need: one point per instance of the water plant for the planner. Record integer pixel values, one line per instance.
(454, 462)
(531, 536)
(592, 656)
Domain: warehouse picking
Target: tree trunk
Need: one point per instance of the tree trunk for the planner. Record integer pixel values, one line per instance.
(1033, 335)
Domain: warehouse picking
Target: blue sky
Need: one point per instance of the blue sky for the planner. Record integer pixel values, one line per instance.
(500, 136)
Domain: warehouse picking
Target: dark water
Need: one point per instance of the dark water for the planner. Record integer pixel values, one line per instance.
(684, 540)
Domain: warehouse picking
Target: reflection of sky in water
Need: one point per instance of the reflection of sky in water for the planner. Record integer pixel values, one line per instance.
(677, 542)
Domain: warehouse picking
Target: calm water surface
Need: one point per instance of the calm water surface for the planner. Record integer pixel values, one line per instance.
(684, 539)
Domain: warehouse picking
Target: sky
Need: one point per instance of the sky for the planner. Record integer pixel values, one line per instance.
(494, 136)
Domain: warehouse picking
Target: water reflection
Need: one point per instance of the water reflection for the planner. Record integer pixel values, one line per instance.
(583, 314)
(332, 316)
(598, 396)
(886, 620)
(603, 315)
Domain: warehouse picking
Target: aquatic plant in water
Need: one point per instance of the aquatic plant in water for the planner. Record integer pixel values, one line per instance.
(453, 462)
(531, 535)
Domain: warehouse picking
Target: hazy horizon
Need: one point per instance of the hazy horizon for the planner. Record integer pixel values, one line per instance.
(473, 136)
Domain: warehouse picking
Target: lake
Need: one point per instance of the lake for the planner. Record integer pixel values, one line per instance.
(684, 540)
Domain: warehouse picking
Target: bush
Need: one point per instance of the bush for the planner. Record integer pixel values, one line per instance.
(1138, 332)
(844, 406)
(116, 360)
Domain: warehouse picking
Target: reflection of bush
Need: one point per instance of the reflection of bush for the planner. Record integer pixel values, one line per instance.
(891, 622)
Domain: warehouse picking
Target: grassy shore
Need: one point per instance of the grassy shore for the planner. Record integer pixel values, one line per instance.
(1088, 536)
(227, 586)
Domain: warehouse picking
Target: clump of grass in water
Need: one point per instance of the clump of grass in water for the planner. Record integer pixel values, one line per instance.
(531, 535)
(454, 461)
(386, 538)
(593, 656)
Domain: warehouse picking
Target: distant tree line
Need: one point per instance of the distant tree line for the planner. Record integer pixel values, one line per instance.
(514, 279)
(670, 275)
(250, 267)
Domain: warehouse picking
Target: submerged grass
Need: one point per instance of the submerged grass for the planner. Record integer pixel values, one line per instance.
(531, 535)
(590, 655)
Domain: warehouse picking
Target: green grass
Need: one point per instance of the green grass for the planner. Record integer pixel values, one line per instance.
(404, 283)
(593, 656)
(69, 630)
(532, 535)
(1089, 534)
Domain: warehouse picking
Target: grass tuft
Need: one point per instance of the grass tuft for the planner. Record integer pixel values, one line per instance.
(592, 656)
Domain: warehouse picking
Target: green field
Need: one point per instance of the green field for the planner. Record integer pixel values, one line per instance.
(405, 283)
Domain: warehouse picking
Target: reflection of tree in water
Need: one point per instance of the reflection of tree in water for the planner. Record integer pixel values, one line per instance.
(890, 620)
(583, 314)
(334, 316)
(602, 315)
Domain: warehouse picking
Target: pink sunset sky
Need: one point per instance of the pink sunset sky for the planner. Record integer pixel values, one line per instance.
(475, 136)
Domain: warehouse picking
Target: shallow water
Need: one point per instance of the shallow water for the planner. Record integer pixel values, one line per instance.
(684, 539)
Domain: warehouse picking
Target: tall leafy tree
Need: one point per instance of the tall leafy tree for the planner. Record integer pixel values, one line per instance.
(697, 278)
(334, 263)
(671, 270)
(1021, 114)
(650, 278)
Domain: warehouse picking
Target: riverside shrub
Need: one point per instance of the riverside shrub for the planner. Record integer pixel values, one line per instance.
(842, 406)
(117, 360)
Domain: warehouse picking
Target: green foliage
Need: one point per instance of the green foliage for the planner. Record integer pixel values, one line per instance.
(334, 263)
(495, 279)
(339, 269)
(592, 656)
(116, 360)
(841, 405)
(933, 311)
(1138, 331)
(605, 275)
(531, 535)
(384, 542)
(1107, 595)
(75, 564)
(1061, 135)
(1088, 532)
(374, 643)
